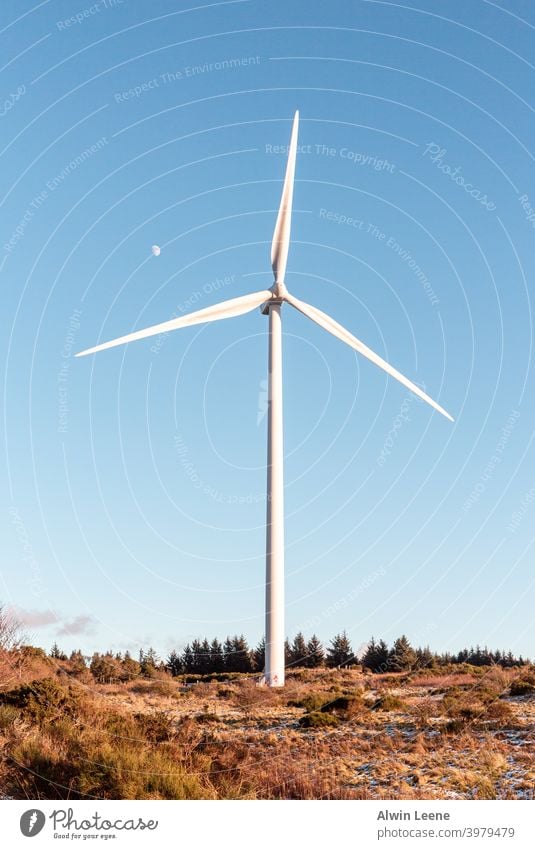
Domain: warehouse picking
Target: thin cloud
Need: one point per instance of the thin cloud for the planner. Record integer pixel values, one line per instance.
(82, 624)
(35, 618)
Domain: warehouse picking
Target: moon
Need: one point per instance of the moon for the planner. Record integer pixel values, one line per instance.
(155, 250)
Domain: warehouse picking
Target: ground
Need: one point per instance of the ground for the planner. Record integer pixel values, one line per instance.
(326, 734)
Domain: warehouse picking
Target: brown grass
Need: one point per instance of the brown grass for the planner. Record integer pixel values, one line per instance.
(451, 736)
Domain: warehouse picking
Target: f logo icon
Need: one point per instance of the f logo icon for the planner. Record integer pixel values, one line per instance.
(32, 822)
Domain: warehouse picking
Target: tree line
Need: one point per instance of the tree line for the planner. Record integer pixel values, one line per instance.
(233, 655)
(401, 657)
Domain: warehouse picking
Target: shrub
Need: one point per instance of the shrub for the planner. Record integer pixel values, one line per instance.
(250, 697)
(81, 674)
(34, 653)
(45, 700)
(500, 713)
(464, 706)
(389, 702)
(154, 687)
(156, 727)
(97, 767)
(162, 687)
(487, 691)
(522, 687)
(207, 717)
(40, 771)
(8, 715)
(424, 711)
(120, 725)
(225, 692)
(454, 726)
(312, 702)
(345, 706)
(318, 720)
(465, 710)
(192, 678)
(105, 668)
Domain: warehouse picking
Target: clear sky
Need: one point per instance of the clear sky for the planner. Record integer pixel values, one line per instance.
(133, 482)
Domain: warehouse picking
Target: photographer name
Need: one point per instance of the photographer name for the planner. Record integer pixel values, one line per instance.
(416, 816)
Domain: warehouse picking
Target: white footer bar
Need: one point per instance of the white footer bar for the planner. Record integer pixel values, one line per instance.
(237, 824)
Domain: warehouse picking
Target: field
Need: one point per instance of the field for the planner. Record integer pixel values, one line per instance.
(466, 733)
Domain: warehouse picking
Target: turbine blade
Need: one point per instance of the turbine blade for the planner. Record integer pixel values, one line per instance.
(226, 309)
(281, 234)
(340, 332)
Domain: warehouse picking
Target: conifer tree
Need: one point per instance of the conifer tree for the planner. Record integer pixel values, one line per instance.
(462, 657)
(56, 653)
(376, 656)
(174, 664)
(187, 659)
(424, 658)
(242, 656)
(205, 658)
(298, 651)
(196, 651)
(217, 660)
(104, 668)
(340, 652)
(130, 667)
(402, 657)
(259, 656)
(315, 655)
(287, 652)
(228, 654)
(149, 662)
(78, 662)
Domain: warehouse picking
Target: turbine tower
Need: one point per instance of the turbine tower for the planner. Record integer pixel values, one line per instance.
(271, 301)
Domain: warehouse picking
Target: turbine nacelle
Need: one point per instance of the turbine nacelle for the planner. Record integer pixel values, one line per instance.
(279, 294)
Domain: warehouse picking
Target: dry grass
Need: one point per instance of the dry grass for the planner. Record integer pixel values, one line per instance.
(430, 736)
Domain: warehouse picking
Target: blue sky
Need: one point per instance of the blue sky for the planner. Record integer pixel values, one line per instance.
(134, 482)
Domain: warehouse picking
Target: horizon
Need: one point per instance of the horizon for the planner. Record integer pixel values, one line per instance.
(357, 650)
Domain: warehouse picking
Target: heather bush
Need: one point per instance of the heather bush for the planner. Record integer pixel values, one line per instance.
(8, 715)
(389, 702)
(155, 687)
(312, 701)
(155, 727)
(522, 687)
(500, 713)
(463, 707)
(249, 696)
(345, 707)
(316, 719)
(120, 725)
(45, 700)
(93, 765)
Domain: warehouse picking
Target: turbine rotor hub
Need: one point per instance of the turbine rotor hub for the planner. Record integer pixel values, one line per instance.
(278, 296)
(279, 289)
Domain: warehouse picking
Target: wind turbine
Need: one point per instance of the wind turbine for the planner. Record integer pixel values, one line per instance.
(270, 301)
